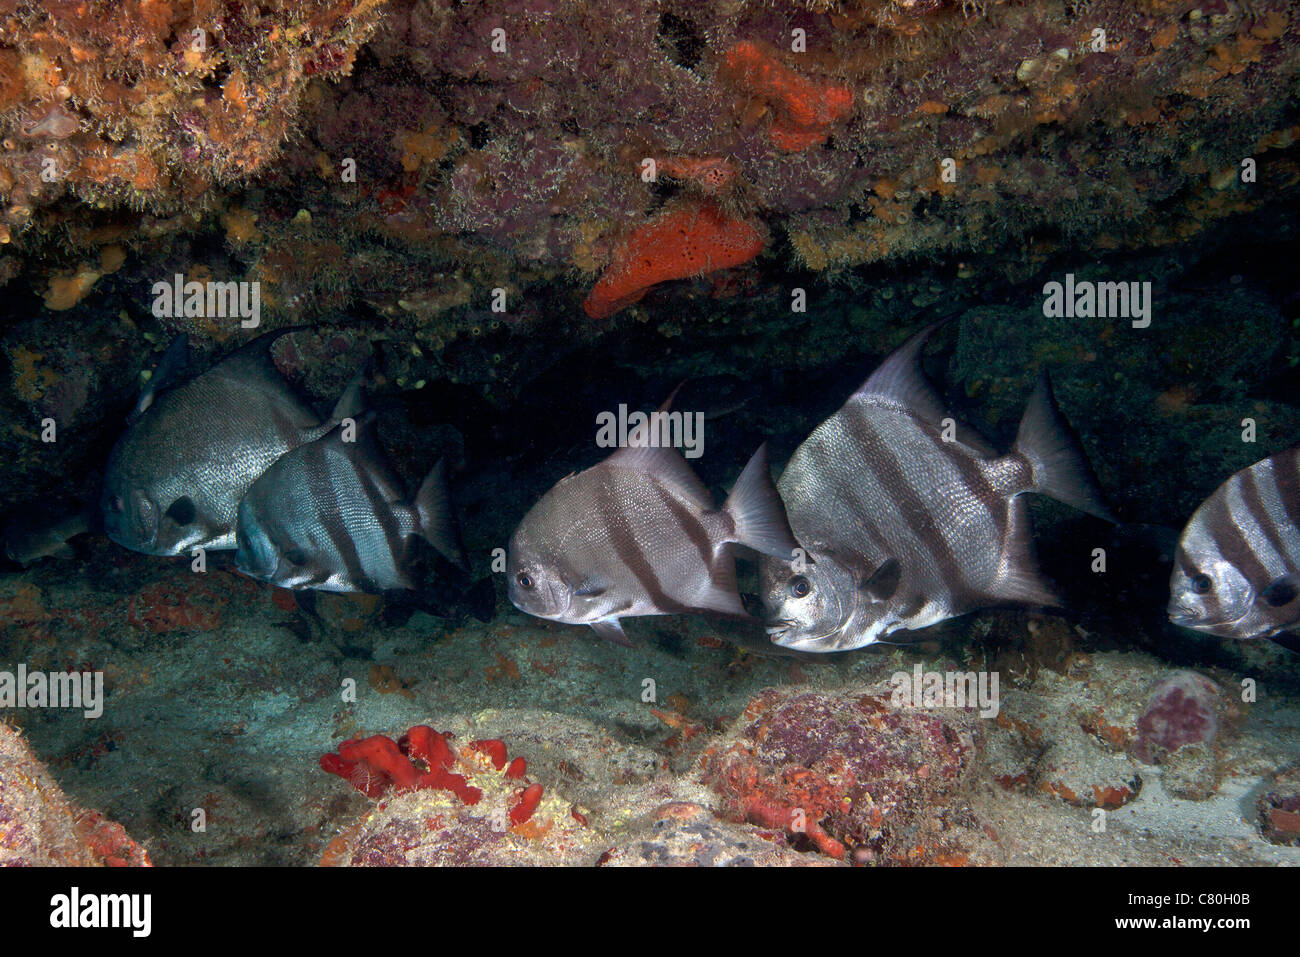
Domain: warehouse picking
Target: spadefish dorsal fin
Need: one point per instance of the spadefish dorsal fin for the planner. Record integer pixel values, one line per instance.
(757, 511)
(364, 431)
(637, 437)
(256, 354)
(165, 374)
(900, 378)
(351, 401)
(667, 403)
(641, 440)
(1060, 469)
(668, 466)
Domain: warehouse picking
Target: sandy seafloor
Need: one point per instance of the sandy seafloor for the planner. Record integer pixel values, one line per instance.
(232, 716)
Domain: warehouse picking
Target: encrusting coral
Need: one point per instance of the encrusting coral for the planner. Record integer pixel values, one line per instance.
(149, 103)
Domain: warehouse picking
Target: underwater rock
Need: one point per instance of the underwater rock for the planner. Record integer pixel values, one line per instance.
(685, 834)
(1183, 709)
(1085, 777)
(1067, 733)
(1191, 772)
(1279, 808)
(40, 827)
(172, 605)
(846, 771)
(554, 802)
(803, 110)
(142, 103)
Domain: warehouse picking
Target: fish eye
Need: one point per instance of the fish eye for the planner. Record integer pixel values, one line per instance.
(116, 504)
(525, 581)
(800, 587)
(1201, 583)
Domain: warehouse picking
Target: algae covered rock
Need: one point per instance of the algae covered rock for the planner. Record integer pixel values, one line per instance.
(847, 770)
(40, 827)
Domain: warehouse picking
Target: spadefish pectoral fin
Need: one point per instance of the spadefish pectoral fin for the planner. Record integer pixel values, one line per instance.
(1020, 582)
(611, 630)
(591, 588)
(1060, 469)
(757, 511)
(884, 581)
(436, 519)
(1281, 591)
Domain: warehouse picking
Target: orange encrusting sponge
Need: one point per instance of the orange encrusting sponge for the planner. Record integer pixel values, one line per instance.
(683, 242)
(803, 110)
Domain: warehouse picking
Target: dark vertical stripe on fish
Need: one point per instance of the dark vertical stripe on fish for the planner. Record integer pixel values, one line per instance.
(320, 474)
(1286, 475)
(824, 459)
(996, 517)
(918, 520)
(630, 553)
(382, 510)
(1254, 500)
(1231, 541)
(973, 477)
(285, 428)
(691, 526)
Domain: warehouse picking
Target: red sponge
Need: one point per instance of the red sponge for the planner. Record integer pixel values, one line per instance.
(689, 240)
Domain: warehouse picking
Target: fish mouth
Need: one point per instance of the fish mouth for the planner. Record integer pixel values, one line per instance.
(1189, 615)
(1229, 629)
(846, 636)
(782, 632)
(559, 616)
(821, 644)
(1222, 628)
(778, 628)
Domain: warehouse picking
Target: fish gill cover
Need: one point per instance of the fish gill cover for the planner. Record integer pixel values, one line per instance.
(513, 220)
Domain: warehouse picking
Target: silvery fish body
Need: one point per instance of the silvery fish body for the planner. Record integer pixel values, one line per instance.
(331, 516)
(1237, 566)
(638, 534)
(902, 528)
(174, 479)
